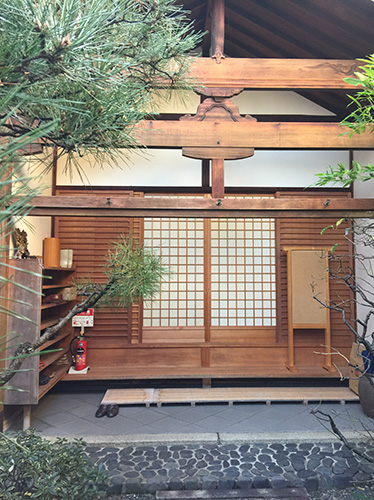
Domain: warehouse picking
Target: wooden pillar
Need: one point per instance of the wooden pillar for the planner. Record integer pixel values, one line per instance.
(218, 29)
(218, 178)
(205, 175)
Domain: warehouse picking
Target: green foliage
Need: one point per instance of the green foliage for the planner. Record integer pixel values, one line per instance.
(359, 120)
(35, 468)
(133, 272)
(341, 175)
(362, 117)
(92, 66)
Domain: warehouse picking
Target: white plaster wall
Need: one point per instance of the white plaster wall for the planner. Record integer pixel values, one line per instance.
(37, 228)
(156, 167)
(277, 102)
(170, 168)
(281, 168)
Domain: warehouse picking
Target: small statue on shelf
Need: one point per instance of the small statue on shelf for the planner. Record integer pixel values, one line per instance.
(20, 244)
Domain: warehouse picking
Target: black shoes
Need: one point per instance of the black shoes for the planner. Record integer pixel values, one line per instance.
(110, 411)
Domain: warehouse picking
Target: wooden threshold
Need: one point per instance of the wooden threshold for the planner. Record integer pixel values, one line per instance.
(146, 373)
(227, 395)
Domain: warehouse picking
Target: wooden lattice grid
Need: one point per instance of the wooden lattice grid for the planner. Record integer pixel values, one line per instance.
(242, 274)
(180, 242)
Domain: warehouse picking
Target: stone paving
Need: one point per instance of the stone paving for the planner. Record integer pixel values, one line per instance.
(147, 469)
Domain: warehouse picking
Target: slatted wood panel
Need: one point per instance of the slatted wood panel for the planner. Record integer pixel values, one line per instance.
(307, 233)
(90, 238)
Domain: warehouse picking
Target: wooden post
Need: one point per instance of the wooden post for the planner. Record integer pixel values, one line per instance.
(205, 175)
(218, 178)
(218, 29)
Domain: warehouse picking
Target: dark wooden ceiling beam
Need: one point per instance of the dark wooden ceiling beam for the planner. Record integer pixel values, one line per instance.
(305, 207)
(243, 26)
(266, 135)
(273, 73)
(321, 26)
(276, 23)
(248, 41)
(349, 15)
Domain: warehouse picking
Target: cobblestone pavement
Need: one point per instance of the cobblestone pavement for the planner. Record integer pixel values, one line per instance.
(147, 469)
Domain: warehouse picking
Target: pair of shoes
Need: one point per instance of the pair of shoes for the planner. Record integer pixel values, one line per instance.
(110, 410)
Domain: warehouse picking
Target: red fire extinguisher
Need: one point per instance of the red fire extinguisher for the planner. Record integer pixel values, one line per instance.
(79, 351)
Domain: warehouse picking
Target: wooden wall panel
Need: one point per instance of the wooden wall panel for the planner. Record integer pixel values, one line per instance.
(188, 357)
(307, 233)
(179, 335)
(90, 239)
(244, 335)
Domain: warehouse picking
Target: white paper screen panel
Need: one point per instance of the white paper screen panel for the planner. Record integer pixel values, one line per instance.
(242, 272)
(180, 242)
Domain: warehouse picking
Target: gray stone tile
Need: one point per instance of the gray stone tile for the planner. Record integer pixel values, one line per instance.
(171, 409)
(83, 410)
(80, 427)
(234, 415)
(39, 425)
(214, 423)
(170, 424)
(117, 425)
(147, 416)
(191, 415)
(132, 411)
(55, 419)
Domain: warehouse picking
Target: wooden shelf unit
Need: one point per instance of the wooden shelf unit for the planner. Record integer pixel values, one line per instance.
(40, 282)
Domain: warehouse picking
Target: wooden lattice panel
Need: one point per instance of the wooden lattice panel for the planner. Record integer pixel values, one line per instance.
(243, 272)
(180, 242)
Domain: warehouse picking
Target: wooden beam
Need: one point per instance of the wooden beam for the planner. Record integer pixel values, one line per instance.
(244, 134)
(272, 73)
(305, 207)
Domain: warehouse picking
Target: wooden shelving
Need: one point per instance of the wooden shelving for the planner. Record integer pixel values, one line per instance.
(56, 339)
(60, 372)
(54, 364)
(54, 304)
(49, 287)
(51, 357)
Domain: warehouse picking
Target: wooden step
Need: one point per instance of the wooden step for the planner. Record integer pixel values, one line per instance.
(227, 395)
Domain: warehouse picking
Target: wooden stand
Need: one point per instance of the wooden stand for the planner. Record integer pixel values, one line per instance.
(307, 275)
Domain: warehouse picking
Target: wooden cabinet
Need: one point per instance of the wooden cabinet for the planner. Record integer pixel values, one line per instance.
(38, 297)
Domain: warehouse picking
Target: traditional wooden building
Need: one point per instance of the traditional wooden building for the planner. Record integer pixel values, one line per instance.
(221, 196)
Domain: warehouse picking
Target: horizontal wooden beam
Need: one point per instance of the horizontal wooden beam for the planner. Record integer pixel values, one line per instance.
(99, 206)
(273, 73)
(244, 134)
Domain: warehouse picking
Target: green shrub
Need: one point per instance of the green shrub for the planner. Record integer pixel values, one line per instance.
(34, 468)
